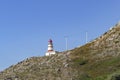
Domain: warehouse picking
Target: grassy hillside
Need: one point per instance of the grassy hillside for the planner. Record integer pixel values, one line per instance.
(100, 59)
(97, 60)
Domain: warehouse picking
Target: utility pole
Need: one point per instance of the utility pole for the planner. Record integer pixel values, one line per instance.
(86, 37)
(66, 42)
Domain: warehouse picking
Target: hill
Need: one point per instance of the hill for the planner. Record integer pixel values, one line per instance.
(96, 60)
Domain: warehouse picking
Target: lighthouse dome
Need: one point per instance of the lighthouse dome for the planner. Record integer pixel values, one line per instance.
(50, 40)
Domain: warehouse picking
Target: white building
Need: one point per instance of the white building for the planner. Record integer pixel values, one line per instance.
(50, 50)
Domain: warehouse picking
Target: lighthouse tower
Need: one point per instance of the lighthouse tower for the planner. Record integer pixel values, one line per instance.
(50, 50)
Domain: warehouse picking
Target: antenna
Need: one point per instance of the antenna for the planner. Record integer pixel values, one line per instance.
(86, 37)
(66, 42)
(118, 23)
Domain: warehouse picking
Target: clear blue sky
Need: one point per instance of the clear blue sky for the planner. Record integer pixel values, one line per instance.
(26, 25)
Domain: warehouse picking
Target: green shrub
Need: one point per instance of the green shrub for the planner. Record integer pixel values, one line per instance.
(80, 61)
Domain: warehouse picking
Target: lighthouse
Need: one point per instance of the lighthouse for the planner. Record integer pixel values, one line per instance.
(50, 49)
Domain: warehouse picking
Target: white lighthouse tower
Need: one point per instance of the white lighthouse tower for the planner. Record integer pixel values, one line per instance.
(50, 50)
